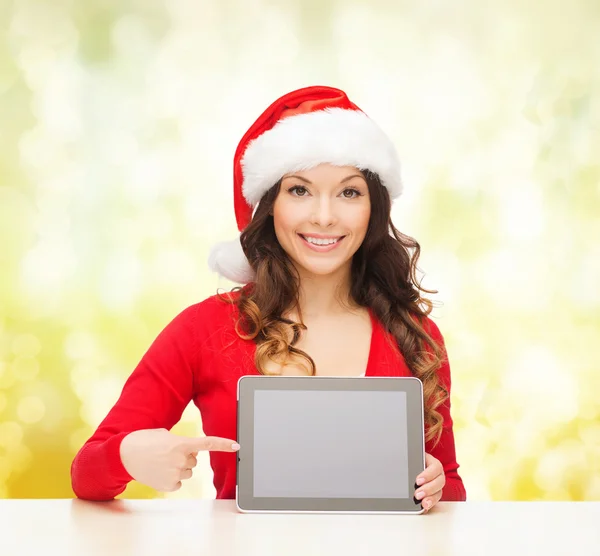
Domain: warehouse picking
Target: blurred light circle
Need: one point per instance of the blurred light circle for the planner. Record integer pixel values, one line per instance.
(80, 345)
(31, 409)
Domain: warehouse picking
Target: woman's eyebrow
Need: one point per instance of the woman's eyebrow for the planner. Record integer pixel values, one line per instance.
(299, 178)
(347, 178)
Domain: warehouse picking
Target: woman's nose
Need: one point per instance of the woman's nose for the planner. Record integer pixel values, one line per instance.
(323, 212)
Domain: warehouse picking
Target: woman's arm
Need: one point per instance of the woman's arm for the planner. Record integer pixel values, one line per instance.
(154, 397)
(445, 450)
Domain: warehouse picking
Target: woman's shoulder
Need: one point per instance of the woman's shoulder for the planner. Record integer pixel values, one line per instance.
(432, 329)
(221, 305)
(428, 324)
(215, 315)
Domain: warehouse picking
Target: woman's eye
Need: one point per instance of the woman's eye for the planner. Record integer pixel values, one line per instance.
(298, 190)
(350, 193)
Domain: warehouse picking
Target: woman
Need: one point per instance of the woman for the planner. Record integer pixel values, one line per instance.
(329, 288)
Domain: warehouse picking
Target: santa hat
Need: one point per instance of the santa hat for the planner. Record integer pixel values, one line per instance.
(299, 131)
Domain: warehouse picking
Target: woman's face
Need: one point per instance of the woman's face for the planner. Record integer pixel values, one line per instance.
(321, 217)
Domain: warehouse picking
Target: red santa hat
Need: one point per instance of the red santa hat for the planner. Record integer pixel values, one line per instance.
(299, 131)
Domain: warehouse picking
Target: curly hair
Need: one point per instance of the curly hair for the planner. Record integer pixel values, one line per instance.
(383, 278)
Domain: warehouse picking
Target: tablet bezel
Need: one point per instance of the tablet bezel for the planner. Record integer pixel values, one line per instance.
(246, 501)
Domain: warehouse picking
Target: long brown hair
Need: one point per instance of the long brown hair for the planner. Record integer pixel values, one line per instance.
(383, 278)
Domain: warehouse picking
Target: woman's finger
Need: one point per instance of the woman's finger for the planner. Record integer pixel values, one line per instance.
(209, 443)
(190, 462)
(431, 488)
(171, 487)
(431, 501)
(433, 468)
(185, 474)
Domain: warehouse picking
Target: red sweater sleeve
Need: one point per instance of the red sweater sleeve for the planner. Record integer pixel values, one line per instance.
(445, 450)
(153, 397)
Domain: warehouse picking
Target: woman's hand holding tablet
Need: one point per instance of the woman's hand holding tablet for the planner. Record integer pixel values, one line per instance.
(431, 483)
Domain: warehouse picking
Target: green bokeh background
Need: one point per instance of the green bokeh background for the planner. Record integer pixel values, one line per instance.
(118, 124)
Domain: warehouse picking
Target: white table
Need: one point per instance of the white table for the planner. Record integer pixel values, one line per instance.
(212, 528)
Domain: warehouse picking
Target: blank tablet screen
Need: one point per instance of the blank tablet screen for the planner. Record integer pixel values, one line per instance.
(299, 444)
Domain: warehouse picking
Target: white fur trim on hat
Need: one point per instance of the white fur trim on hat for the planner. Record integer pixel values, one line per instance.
(335, 135)
(228, 259)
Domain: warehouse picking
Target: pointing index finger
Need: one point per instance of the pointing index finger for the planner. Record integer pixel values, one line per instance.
(212, 444)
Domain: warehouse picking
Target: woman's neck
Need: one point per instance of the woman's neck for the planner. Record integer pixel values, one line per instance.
(325, 295)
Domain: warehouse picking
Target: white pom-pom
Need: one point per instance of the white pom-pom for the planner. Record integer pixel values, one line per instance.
(227, 259)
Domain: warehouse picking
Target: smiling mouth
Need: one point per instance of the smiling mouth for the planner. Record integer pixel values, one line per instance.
(322, 242)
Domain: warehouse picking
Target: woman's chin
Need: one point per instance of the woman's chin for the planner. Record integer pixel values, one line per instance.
(324, 268)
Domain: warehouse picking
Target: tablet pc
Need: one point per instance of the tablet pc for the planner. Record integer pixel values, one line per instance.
(329, 444)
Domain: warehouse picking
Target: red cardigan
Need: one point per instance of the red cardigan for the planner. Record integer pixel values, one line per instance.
(199, 357)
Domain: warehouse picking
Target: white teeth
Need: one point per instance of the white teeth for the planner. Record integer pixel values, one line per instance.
(321, 241)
